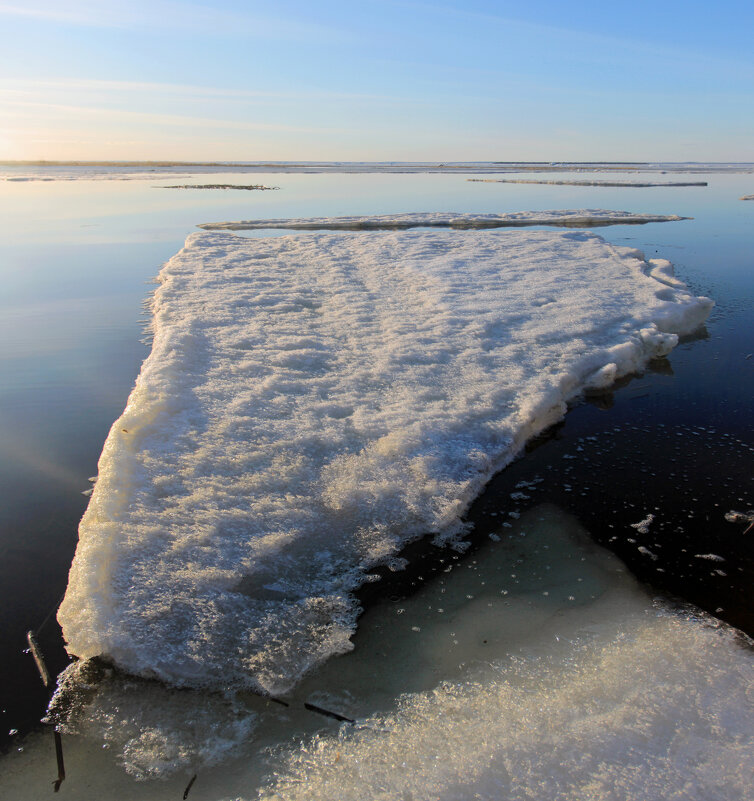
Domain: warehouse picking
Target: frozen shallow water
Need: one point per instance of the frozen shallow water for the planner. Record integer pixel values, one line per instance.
(538, 668)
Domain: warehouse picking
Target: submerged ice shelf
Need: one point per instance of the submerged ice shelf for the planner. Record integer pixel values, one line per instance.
(311, 403)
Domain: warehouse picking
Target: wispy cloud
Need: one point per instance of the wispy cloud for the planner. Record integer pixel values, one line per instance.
(39, 89)
(172, 15)
(151, 121)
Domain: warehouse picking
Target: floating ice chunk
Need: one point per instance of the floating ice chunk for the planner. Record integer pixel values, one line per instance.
(643, 525)
(713, 557)
(568, 218)
(634, 184)
(260, 187)
(311, 404)
(740, 517)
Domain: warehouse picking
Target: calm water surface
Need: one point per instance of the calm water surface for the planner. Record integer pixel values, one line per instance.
(76, 262)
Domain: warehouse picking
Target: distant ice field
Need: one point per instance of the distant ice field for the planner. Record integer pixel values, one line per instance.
(311, 403)
(123, 170)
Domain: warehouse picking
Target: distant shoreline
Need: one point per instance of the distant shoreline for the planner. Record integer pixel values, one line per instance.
(397, 166)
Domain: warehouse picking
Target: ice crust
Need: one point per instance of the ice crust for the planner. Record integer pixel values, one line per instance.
(310, 404)
(571, 219)
(659, 711)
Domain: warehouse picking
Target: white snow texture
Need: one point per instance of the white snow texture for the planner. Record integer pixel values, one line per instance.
(313, 402)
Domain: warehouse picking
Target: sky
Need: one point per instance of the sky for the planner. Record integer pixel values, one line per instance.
(548, 80)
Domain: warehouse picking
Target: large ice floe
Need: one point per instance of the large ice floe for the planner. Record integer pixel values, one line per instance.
(313, 402)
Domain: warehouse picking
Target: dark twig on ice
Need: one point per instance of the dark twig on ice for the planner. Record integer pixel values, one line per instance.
(44, 674)
(59, 756)
(278, 701)
(328, 713)
(188, 787)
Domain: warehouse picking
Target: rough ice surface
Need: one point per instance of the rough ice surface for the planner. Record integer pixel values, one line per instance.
(657, 712)
(152, 730)
(438, 219)
(310, 404)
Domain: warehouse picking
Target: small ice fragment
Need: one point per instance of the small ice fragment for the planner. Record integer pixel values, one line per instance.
(647, 552)
(713, 557)
(740, 517)
(643, 525)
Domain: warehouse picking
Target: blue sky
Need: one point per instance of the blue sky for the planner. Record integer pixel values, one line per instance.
(165, 79)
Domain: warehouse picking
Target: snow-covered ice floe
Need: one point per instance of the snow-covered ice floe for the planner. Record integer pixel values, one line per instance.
(310, 404)
(638, 184)
(516, 219)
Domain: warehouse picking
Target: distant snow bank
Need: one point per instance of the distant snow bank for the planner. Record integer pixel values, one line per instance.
(568, 218)
(310, 404)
